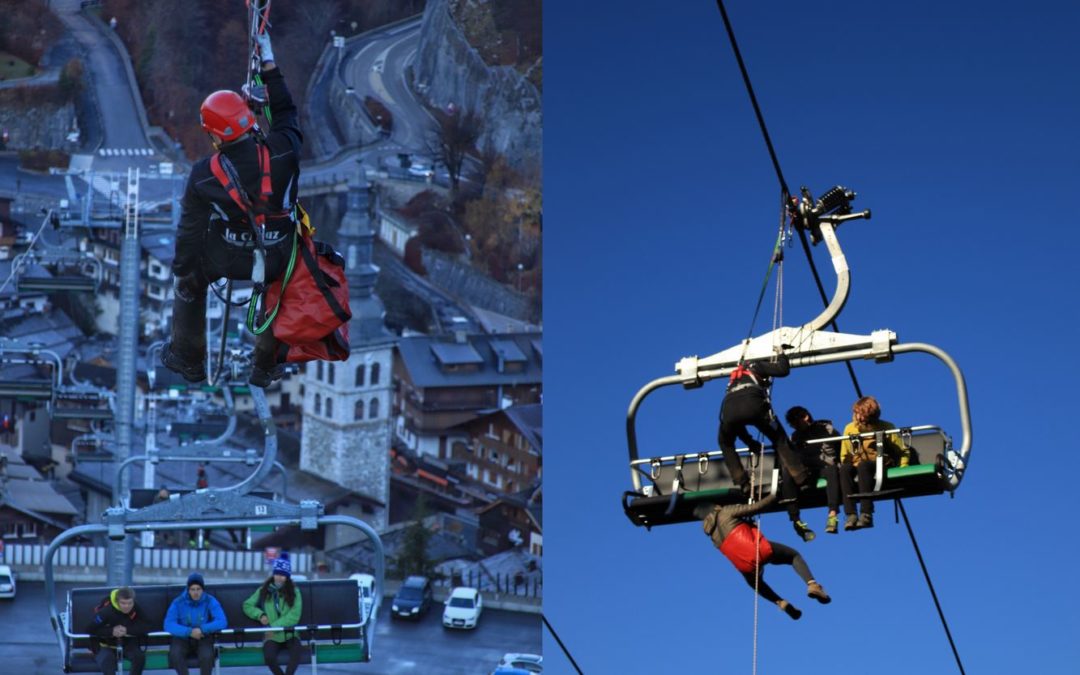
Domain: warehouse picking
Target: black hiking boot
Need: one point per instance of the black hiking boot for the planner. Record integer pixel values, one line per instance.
(803, 530)
(192, 372)
(790, 609)
(264, 378)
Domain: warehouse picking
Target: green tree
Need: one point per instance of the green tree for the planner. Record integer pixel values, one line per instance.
(413, 555)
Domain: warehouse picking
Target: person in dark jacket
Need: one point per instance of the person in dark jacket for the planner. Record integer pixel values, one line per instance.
(193, 617)
(741, 542)
(746, 404)
(215, 238)
(118, 623)
(821, 461)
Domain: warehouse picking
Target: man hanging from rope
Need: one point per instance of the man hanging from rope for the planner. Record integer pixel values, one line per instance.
(216, 237)
(745, 404)
(741, 542)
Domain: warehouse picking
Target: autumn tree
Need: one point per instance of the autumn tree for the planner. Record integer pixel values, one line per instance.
(451, 137)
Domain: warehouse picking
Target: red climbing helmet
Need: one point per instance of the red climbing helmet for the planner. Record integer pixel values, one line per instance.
(226, 115)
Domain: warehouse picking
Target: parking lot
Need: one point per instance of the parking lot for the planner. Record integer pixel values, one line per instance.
(400, 646)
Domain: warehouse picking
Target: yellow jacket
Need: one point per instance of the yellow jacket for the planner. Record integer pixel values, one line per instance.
(895, 450)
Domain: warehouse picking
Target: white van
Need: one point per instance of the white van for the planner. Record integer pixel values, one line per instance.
(7, 582)
(366, 588)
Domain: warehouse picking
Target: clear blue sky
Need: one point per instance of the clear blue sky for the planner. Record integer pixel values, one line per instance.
(957, 124)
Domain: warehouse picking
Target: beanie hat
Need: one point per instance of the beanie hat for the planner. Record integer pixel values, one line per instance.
(195, 579)
(282, 565)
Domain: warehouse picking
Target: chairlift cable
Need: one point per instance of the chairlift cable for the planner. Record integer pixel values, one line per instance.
(825, 300)
(930, 585)
(560, 642)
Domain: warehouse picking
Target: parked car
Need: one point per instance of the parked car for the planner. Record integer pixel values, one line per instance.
(7, 582)
(413, 599)
(518, 664)
(463, 608)
(365, 584)
(421, 171)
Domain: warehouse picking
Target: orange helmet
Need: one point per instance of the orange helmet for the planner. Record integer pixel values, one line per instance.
(226, 115)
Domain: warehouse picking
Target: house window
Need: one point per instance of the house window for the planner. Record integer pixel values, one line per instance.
(373, 409)
(358, 411)
(329, 405)
(360, 376)
(494, 456)
(375, 373)
(318, 371)
(318, 404)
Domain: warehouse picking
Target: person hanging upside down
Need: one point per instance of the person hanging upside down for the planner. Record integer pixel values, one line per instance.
(746, 404)
(215, 238)
(741, 542)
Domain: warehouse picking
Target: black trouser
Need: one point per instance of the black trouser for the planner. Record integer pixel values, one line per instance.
(180, 648)
(739, 411)
(831, 474)
(865, 470)
(270, 655)
(106, 657)
(221, 260)
(782, 555)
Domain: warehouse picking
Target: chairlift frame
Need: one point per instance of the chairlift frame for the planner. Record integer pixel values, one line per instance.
(651, 505)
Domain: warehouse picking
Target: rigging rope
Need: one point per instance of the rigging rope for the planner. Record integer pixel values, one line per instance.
(835, 327)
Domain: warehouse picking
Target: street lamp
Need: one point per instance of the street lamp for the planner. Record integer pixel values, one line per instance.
(520, 269)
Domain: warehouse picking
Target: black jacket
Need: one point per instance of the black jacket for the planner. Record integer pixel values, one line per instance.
(757, 384)
(819, 453)
(107, 615)
(207, 210)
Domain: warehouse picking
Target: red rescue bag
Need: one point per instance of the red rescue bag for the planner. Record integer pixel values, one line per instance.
(312, 320)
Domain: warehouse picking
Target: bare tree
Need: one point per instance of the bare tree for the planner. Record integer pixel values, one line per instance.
(451, 137)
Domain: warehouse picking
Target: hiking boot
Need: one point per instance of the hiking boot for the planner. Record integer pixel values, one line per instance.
(832, 524)
(803, 530)
(192, 372)
(866, 520)
(815, 591)
(789, 609)
(851, 522)
(264, 378)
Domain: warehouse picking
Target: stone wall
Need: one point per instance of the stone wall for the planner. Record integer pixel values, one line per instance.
(41, 126)
(448, 70)
(476, 288)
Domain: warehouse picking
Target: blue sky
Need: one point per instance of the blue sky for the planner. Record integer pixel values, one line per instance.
(956, 124)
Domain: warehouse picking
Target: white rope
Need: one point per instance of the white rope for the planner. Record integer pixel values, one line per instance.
(757, 546)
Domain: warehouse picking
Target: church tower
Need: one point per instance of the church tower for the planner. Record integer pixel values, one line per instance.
(346, 429)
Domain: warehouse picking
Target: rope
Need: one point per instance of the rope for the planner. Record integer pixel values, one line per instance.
(224, 334)
(757, 552)
(930, 585)
(561, 645)
(833, 324)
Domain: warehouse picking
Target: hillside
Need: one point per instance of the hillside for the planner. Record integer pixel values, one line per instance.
(184, 51)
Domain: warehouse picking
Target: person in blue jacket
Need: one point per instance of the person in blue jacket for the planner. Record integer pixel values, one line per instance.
(193, 617)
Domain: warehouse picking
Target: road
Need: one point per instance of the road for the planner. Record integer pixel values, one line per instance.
(400, 647)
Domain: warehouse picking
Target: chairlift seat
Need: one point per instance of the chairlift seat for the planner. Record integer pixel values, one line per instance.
(56, 284)
(327, 606)
(715, 486)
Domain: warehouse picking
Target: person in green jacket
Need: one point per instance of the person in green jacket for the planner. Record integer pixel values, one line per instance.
(277, 602)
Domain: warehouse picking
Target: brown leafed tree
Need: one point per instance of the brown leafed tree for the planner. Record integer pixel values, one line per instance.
(451, 137)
